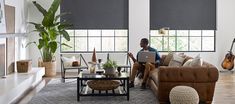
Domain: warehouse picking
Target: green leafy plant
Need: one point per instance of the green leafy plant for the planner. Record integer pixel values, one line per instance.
(49, 29)
(109, 64)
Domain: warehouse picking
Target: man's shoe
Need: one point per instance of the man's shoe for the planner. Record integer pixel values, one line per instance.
(131, 85)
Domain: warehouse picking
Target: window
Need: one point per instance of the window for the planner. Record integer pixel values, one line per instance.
(192, 24)
(103, 40)
(99, 24)
(184, 40)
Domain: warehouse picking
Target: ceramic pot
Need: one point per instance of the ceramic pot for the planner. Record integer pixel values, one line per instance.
(110, 70)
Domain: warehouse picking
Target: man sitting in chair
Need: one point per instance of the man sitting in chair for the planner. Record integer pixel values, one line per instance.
(148, 66)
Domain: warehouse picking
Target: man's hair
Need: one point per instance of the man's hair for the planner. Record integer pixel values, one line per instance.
(145, 40)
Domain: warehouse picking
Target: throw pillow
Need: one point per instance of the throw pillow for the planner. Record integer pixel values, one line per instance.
(197, 61)
(75, 63)
(188, 62)
(68, 61)
(167, 59)
(176, 60)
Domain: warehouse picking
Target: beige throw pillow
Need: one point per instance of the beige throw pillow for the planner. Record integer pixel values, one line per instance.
(176, 60)
(68, 61)
(195, 62)
(188, 62)
(167, 59)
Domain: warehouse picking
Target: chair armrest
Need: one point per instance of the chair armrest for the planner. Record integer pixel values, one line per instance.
(78, 67)
(188, 74)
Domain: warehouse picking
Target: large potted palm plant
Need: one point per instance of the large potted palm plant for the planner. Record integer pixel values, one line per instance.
(48, 30)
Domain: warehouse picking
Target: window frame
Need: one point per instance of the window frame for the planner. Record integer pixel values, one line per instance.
(188, 36)
(101, 36)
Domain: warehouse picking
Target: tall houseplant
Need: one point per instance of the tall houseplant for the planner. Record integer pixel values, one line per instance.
(49, 29)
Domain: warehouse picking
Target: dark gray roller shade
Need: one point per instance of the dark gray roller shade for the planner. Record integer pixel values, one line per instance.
(183, 14)
(96, 14)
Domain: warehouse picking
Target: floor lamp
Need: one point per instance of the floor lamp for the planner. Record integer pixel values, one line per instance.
(163, 32)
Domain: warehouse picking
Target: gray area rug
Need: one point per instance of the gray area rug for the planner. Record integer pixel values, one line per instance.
(66, 93)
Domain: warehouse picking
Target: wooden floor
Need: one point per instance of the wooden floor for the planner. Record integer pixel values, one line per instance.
(224, 92)
(225, 89)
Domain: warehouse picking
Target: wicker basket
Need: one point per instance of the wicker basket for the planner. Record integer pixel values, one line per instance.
(24, 66)
(103, 84)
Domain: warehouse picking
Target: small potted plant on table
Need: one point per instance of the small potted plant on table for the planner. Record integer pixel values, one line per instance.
(110, 67)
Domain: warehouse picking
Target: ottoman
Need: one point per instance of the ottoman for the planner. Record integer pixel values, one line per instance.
(183, 95)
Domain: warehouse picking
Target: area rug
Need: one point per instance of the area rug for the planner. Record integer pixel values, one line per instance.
(57, 92)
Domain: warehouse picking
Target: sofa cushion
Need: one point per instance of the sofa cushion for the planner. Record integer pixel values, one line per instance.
(167, 59)
(76, 63)
(68, 61)
(188, 62)
(195, 62)
(176, 60)
(187, 58)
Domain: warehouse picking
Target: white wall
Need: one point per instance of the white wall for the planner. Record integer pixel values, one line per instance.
(21, 15)
(139, 28)
(138, 23)
(226, 28)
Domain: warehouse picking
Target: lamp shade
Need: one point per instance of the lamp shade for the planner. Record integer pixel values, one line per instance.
(163, 30)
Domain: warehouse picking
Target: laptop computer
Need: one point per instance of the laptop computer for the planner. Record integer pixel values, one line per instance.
(144, 57)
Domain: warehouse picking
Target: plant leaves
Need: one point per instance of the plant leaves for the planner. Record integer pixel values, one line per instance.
(65, 35)
(40, 8)
(60, 15)
(49, 29)
(66, 45)
(110, 64)
(56, 23)
(39, 28)
(30, 44)
(53, 46)
(46, 39)
(52, 33)
(34, 23)
(64, 26)
(41, 43)
(48, 19)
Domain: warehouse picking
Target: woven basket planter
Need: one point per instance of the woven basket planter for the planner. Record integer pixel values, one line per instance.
(50, 68)
(103, 85)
